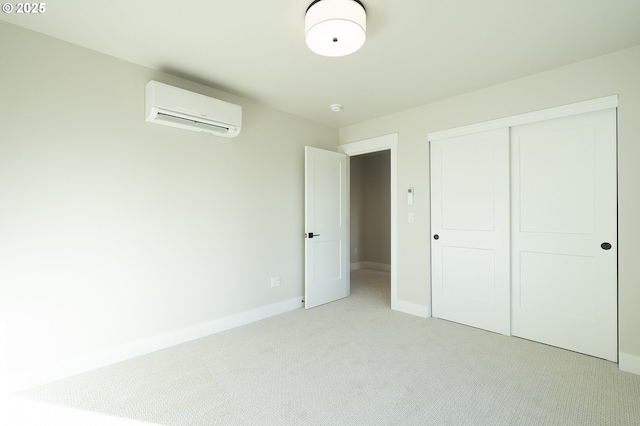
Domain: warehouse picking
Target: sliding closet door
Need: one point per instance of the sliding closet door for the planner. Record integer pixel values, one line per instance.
(470, 229)
(564, 228)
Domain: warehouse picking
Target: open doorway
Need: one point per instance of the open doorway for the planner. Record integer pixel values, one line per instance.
(370, 223)
(389, 145)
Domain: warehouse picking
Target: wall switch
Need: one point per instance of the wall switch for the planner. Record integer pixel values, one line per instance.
(275, 282)
(411, 217)
(410, 193)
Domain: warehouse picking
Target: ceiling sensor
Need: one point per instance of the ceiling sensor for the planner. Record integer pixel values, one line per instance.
(336, 107)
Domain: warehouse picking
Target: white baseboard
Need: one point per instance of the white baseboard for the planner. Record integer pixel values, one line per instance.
(70, 367)
(411, 308)
(371, 265)
(629, 363)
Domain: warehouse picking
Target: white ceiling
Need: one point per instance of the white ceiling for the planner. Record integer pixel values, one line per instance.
(417, 51)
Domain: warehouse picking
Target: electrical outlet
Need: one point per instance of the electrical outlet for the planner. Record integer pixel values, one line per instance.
(275, 282)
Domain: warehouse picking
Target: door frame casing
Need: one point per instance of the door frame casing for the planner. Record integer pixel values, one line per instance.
(376, 144)
(529, 117)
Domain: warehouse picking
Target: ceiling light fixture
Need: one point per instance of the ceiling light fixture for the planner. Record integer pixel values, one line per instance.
(335, 27)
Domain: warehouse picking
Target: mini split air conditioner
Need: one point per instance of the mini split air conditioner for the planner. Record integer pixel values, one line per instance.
(171, 106)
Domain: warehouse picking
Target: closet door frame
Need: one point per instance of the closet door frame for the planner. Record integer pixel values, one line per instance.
(530, 117)
(533, 117)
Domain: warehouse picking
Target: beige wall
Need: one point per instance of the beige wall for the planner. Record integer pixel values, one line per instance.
(616, 73)
(377, 208)
(113, 229)
(356, 202)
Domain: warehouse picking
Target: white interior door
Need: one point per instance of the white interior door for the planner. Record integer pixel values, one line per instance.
(564, 233)
(470, 230)
(326, 227)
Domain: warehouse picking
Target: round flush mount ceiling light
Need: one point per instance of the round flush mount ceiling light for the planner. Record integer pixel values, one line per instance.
(335, 27)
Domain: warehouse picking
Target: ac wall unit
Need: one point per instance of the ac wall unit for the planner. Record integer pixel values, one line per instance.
(175, 107)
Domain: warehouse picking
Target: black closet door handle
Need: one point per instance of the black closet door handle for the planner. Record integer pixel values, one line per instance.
(606, 246)
(436, 237)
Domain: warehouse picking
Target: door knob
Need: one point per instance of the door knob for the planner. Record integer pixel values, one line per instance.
(436, 237)
(605, 246)
(311, 235)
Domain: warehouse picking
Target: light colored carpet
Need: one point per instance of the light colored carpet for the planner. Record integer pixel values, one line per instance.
(356, 362)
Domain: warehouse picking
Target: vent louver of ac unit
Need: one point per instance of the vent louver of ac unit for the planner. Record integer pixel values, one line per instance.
(185, 121)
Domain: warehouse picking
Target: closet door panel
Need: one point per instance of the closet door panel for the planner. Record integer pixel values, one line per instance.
(470, 230)
(553, 164)
(563, 209)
